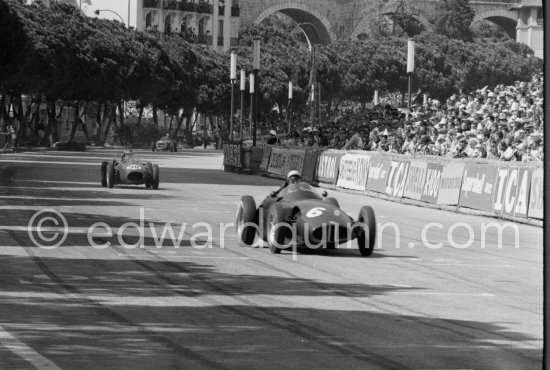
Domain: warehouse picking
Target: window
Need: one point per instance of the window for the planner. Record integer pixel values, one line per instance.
(540, 16)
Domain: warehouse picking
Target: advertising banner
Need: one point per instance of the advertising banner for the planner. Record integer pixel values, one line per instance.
(536, 200)
(378, 172)
(416, 179)
(232, 155)
(310, 161)
(430, 191)
(264, 165)
(395, 184)
(353, 171)
(277, 161)
(512, 191)
(327, 167)
(478, 187)
(451, 181)
(283, 160)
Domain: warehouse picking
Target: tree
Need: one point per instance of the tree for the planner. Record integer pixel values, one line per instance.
(454, 18)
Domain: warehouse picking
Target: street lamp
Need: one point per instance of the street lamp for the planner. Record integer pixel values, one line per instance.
(256, 68)
(243, 87)
(97, 11)
(410, 66)
(289, 104)
(233, 77)
(251, 84)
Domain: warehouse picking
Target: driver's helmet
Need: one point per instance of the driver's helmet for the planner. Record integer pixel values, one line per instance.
(127, 154)
(294, 176)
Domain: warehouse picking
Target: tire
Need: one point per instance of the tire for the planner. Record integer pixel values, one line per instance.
(246, 213)
(149, 175)
(333, 201)
(104, 174)
(276, 236)
(366, 242)
(156, 176)
(110, 172)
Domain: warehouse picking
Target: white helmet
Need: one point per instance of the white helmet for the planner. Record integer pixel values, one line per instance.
(293, 173)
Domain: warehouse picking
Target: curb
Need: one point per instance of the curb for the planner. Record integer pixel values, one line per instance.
(417, 203)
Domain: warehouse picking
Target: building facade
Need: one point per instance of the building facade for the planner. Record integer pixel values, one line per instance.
(211, 22)
(530, 26)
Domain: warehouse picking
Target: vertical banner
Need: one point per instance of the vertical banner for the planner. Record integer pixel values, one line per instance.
(478, 187)
(398, 172)
(430, 191)
(232, 156)
(294, 161)
(451, 181)
(536, 199)
(310, 161)
(353, 171)
(512, 191)
(327, 167)
(416, 179)
(277, 161)
(264, 165)
(378, 172)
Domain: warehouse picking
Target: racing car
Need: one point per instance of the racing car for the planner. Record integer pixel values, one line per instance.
(129, 171)
(299, 216)
(165, 144)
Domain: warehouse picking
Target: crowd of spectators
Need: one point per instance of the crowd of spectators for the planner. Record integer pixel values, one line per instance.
(504, 123)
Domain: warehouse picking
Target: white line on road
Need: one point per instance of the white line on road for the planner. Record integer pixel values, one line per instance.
(205, 257)
(24, 351)
(447, 294)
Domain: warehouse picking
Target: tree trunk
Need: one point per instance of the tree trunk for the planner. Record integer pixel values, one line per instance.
(140, 116)
(121, 139)
(75, 121)
(52, 121)
(99, 124)
(155, 116)
(112, 117)
(170, 127)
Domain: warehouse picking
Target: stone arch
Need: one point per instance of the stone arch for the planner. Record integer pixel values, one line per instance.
(321, 32)
(365, 21)
(505, 19)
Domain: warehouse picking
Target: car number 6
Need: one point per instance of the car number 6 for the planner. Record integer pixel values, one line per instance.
(315, 212)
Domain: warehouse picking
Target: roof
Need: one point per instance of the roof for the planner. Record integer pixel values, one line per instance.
(527, 4)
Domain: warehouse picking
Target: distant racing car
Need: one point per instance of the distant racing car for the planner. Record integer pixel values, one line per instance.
(299, 216)
(165, 144)
(129, 171)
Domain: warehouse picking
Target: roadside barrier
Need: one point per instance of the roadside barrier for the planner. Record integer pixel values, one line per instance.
(502, 189)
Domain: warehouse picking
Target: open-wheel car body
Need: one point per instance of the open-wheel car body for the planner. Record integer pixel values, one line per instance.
(298, 216)
(130, 171)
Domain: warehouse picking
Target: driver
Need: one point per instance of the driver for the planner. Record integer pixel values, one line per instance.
(293, 177)
(127, 155)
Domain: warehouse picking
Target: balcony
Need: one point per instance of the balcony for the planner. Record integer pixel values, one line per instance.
(170, 4)
(151, 3)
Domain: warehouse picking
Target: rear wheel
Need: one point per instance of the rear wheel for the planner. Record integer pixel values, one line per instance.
(278, 231)
(367, 237)
(246, 214)
(104, 174)
(149, 175)
(156, 176)
(110, 172)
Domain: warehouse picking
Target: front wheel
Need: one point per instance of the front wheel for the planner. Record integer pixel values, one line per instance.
(148, 175)
(104, 174)
(156, 176)
(110, 175)
(246, 214)
(278, 231)
(367, 237)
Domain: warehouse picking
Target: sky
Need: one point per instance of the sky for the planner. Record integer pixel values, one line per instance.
(118, 6)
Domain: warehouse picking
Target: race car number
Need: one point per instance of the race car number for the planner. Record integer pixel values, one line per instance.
(315, 212)
(133, 167)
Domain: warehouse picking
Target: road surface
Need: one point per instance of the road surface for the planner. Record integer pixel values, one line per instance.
(454, 298)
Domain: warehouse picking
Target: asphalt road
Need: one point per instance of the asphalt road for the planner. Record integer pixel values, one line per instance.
(96, 301)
